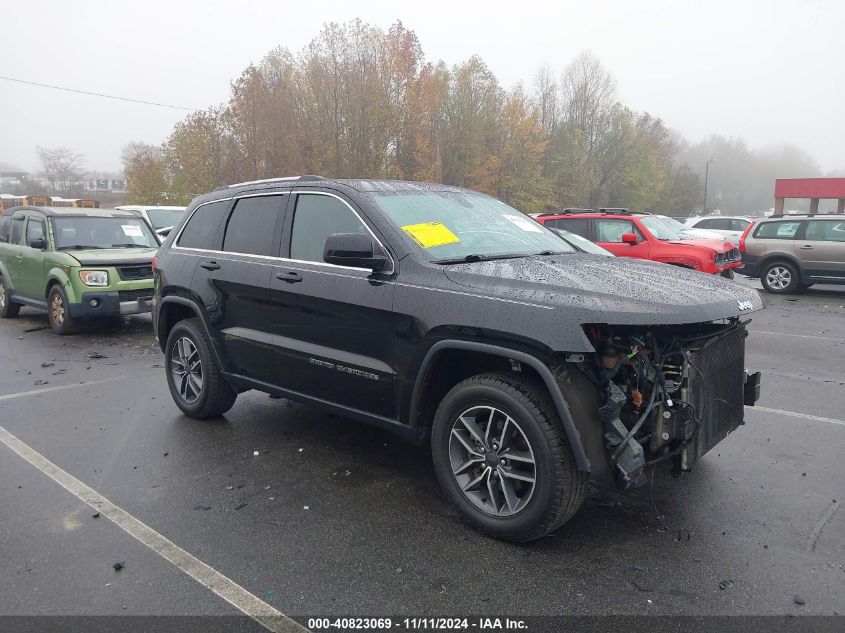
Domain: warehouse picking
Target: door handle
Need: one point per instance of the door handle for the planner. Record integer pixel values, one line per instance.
(210, 265)
(290, 276)
(806, 247)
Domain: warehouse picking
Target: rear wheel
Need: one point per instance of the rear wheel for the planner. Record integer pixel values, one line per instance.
(8, 308)
(502, 458)
(193, 375)
(58, 311)
(780, 277)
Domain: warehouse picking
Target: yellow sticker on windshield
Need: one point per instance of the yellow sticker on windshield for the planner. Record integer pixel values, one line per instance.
(431, 234)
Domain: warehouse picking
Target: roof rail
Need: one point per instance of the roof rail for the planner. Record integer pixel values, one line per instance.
(800, 215)
(305, 177)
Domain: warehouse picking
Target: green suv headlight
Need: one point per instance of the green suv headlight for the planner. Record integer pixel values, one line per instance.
(94, 277)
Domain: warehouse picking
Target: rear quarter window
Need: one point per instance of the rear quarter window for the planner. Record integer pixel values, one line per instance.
(777, 230)
(5, 225)
(203, 229)
(579, 226)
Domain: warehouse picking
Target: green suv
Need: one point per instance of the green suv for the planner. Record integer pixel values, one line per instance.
(75, 263)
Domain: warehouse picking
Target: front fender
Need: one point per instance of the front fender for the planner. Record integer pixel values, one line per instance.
(57, 273)
(535, 363)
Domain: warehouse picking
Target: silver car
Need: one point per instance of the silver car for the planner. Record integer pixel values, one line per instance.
(791, 253)
(730, 227)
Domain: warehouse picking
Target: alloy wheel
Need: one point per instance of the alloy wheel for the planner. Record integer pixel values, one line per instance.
(778, 277)
(492, 461)
(57, 309)
(2, 297)
(186, 369)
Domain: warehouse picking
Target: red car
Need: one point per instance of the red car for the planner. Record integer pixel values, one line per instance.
(646, 236)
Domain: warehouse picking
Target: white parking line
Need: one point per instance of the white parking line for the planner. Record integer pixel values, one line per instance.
(35, 392)
(210, 578)
(804, 416)
(822, 338)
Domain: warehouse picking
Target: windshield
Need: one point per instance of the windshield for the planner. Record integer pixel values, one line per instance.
(162, 218)
(582, 243)
(450, 225)
(664, 228)
(101, 232)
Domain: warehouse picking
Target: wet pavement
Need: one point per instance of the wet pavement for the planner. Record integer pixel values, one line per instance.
(333, 517)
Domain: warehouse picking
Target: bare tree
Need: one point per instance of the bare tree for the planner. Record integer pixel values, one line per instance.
(133, 149)
(61, 167)
(589, 96)
(547, 96)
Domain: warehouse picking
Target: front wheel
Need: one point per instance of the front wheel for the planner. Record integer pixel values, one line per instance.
(58, 311)
(193, 375)
(8, 308)
(780, 278)
(501, 456)
(727, 274)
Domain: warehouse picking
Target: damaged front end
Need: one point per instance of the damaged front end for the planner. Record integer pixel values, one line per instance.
(667, 393)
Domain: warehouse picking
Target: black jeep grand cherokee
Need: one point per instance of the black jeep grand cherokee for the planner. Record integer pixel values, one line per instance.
(438, 312)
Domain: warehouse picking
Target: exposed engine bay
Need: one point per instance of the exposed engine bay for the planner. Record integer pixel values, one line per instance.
(668, 393)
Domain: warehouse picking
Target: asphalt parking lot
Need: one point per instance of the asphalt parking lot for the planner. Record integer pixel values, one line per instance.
(333, 517)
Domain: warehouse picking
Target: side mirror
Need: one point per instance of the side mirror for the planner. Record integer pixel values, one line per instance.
(38, 242)
(353, 249)
(630, 238)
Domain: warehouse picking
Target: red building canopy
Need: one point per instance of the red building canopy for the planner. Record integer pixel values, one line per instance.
(812, 188)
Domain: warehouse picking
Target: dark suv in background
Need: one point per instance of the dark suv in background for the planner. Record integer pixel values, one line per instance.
(443, 314)
(791, 253)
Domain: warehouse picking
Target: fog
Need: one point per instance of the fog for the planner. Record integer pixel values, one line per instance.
(768, 72)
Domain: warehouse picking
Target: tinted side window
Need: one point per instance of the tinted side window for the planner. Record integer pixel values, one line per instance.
(5, 225)
(612, 230)
(826, 230)
(316, 217)
(202, 230)
(34, 229)
(252, 225)
(580, 226)
(777, 230)
(17, 230)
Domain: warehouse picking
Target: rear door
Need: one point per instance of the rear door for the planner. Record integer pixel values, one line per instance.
(822, 249)
(334, 324)
(234, 283)
(14, 250)
(609, 232)
(31, 269)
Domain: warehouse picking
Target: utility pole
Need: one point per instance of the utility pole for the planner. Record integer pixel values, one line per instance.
(706, 176)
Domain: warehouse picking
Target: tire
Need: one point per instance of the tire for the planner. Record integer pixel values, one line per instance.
(780, 277)
(8, 308)
(530, 511)
(201, 392)
(727, 274)
(58, 311)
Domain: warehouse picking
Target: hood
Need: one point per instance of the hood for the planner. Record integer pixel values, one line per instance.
(596, 289)
(113, 256)
(703, 233)
(720, 245)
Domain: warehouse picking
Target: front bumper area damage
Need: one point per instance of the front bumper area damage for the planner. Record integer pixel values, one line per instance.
(667, 393)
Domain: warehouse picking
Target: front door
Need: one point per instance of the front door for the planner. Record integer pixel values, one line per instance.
(334, 324)
(32, 283)
(609, 232)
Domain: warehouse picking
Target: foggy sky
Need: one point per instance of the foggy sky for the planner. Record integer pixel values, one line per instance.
(768, 71)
